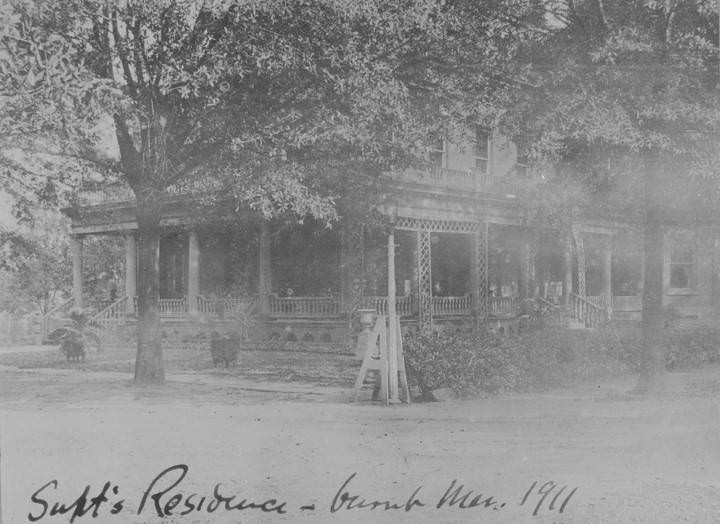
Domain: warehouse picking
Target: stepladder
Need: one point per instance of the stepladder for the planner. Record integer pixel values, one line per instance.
(373, 345)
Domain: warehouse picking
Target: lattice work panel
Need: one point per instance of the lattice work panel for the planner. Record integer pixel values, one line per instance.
(440, 226)
(580, 247)
(424, 262)
(481, 272)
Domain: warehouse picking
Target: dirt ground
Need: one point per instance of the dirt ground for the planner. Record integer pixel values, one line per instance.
(281, 426)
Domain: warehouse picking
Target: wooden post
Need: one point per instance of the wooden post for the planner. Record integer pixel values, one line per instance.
(607, 275)
(130, 272)
(392, 333)
(581, 271)
(568, 262)
(264, 281)
(193, 287)
(479, 274)
(424, 263)
(524, 280)
(76, 246)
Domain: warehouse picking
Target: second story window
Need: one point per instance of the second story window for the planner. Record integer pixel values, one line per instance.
(482, 149)
(437, 154)
(683, 273)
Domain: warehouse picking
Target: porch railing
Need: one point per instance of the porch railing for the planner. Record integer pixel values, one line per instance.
(463, 179)
(405, 306)
(100, 195)
(598, 300)
(304, 306)
(224, 306)
(113, 315)
(503, 305)
(586, 312)
(172, 307)
(47, 322)
(452, 305)
(167, 307)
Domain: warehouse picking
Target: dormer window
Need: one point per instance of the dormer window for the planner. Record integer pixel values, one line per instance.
(438, 157)
(482, 149)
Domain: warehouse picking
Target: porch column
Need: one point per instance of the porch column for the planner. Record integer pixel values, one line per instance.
(193, 288)
(130, 272)
(524, 282)
(607, 273)
(568, 263)
(579, 245)
(264, 281)
(392, 315)
(76, 247)
(479, 274)
(425, 313)
(532, 256)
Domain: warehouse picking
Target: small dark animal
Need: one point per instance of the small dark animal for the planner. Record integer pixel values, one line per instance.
(224, 349)
(73, 348)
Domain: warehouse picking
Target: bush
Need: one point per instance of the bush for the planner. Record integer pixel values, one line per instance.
(545, 358)
(692, 345)
(535, 360)
(465, 363)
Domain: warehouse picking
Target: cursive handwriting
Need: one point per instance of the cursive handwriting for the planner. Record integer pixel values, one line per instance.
(344, 500)
(79, 507)
(165, 504)
(463, 498)
(544, 491)
(166, 498)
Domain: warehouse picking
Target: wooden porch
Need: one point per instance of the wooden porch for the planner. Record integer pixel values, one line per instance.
(318, 308)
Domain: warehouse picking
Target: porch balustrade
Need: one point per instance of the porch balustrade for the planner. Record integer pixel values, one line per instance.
(102, 194)
(405, 306)
(599, 300)
(212, 307)
(93, 193)
(319, 307)
(55, 318)
(171, 307)
(451, 306)
(586, 312)
(504, 306)
(111, 316)
(462, 179)
(304, 306)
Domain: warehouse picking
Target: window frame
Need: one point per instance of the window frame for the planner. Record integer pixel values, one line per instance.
(690, 265)
(477, 156)
(432, 151)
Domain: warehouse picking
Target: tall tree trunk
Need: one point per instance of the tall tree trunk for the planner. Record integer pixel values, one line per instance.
(149, 361)
(652, 359)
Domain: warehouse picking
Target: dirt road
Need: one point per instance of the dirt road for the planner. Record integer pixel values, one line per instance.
(302, 453)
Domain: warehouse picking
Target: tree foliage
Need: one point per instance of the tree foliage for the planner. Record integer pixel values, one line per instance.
(285, 106)
(34, 265)
(615, 81)
(623, 102)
